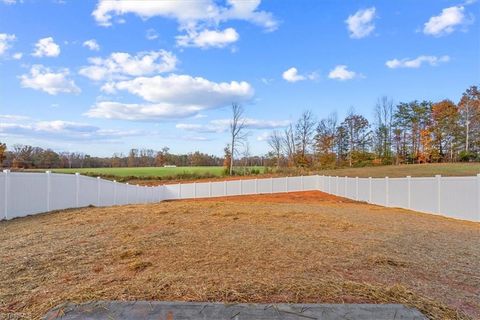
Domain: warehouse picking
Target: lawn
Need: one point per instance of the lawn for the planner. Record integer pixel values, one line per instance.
(296, 247)
(146, 172)
(414, 170)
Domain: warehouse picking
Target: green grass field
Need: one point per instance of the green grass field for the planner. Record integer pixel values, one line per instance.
(144, 172)
(414, 170)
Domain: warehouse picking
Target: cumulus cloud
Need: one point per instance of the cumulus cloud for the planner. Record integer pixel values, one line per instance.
(63, 130)
(361, 23)
(417, 62)
(188, 13)
(208, 38)
(186, 90)
(6, 42)
(446, 22)
(342, 73)
(92, 44)
(292, 75)
(44, 79)
(46, 47)
(120, 65)
(222, 125)
(172, 96)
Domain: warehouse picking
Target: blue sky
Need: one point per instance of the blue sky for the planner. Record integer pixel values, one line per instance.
(105, 76)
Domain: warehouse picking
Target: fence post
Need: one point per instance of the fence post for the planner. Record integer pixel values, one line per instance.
(369, 189)
(194, 190)
(409, 193)
(286, 184)
(179, 191)
(114, 192)
(387, 191)
(225, 187)
(98, 191)
(48, 189)
(336, 185)
(7, 187)
(128, 191)
(345, 187)
(256, 186)
(356, 188)
(210, 189)
(438, 180)
(330, 184)
(271, 185)
(301, 182)
(478, 197)
(241, 186)
(77, 189)
(137, 196)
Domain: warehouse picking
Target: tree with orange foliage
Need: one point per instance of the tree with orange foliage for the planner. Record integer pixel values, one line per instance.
(445, 127)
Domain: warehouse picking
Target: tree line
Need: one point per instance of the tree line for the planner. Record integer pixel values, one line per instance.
(408, 132)
(29, 157)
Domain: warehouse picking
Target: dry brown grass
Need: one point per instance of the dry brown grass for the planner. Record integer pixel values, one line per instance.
(304, 247)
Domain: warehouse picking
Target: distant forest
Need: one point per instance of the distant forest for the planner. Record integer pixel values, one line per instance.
(407, 132)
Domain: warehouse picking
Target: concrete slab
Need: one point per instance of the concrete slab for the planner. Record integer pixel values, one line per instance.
(141, 310)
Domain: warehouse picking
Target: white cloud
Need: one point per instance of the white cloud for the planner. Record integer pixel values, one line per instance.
(120, 65)
(342, 73)
(446, 22)
(140, 112)
(188, 13)
(10, 1)
(44, 79)
(361, 23)
(208, 38)
(291, 75)
(417, 62)
(92, 44)
(17, 55)
(6, 42)
(151, 34)
(46, 47)
(63, 130)
(172, 96)
(222, 125)
(187, 90)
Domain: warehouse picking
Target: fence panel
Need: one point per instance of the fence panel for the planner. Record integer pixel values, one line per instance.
(63, 191)
(351, 188)
(363, 189)
(398, 192)
(27, 194)
(234, 188)
(249, 186)
(279, 185)
(379, 191)
(219, 189)
(458, 198)
(423, 194)
(310, 183)
(265, 185)
(3, 196)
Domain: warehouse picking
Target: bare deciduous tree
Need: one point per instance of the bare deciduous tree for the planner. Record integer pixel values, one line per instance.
(304, 131)
(288, 144)
(237, 131)
(275, 142)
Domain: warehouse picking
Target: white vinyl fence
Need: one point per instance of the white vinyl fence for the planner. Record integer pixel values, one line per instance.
(23, 194)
